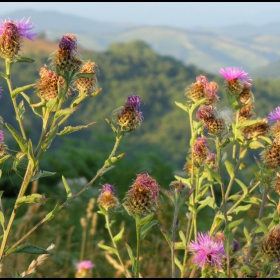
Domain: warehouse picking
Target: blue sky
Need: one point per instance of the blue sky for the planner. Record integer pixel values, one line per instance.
(173, 14)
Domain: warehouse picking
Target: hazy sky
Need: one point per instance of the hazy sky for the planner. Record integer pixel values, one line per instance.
(175, 14)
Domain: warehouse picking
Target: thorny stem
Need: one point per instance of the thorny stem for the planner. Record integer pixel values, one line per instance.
(114, 243)
(99, 172)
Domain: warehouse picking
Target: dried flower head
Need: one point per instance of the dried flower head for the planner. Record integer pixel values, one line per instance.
(142, 198)
(86, 85)
(270, 244)
(205, 112)
(46, 86)
(211, 92)
(188, 168)
(236, 78)
(271, 155)
(246, 96)
(66, 57)
(246, 112)
(215, 125)
(108, 197)
(11, 34)
(129, 117)
(196, 91)
(207, 250)
(200, 149)
(258, 129)
(83, 269)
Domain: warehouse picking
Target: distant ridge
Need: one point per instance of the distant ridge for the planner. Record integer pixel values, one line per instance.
(247, 46)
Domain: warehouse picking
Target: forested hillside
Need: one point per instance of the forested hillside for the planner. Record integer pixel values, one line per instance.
(162, 140)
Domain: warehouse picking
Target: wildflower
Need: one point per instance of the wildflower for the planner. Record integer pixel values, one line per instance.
(11, 34)
(206, 112)
(211, 92)
(196, 90)
(257, 129)
(201, 150)
(233, 76)
(83, 269)
(274, 115)
(66, 57)
(270, 244)
(108, 197)
(207, 250)
(46, 86)
(129, 117)
(142, 198)
(87, 84)
(1, 90)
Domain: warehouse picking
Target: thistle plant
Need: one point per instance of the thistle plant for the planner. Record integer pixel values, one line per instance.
(61, 88)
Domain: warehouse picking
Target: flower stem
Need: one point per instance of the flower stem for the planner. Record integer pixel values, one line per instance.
(107, 218)
(137, 222)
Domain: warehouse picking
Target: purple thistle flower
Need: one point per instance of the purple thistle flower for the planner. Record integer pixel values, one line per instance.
(202, 80)
(108, 189)
(200, 145)
(207, 250)
(274, 115)
(1, 137)
(68, 42)
(133, 101)
(24, 28)
(85, 265)
(232, 73)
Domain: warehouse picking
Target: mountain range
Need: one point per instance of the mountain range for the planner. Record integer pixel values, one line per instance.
(254, 48)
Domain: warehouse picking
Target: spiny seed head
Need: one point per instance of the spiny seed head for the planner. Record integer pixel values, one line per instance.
(195, 91)
(271, 155)
(46, 86)
(129, 117)
(108, 197)
(200, 149)
(215, 125)
(270, 244)
(88, 84)
(246, 96)
(259, 129)
(142, 198)
(246, 112)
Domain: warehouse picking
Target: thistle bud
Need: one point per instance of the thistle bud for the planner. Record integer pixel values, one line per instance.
(87, 84)
(142, 198)
(215, 125)
(46, 86)
(108, 197)
(258, 129)
(271, 155)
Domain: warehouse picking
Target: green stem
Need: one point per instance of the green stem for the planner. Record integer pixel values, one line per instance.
(9, 83)
(235, 134)
(99, 172)
(264, 198)
(114, 244)
(173, 230)
(137, 222)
